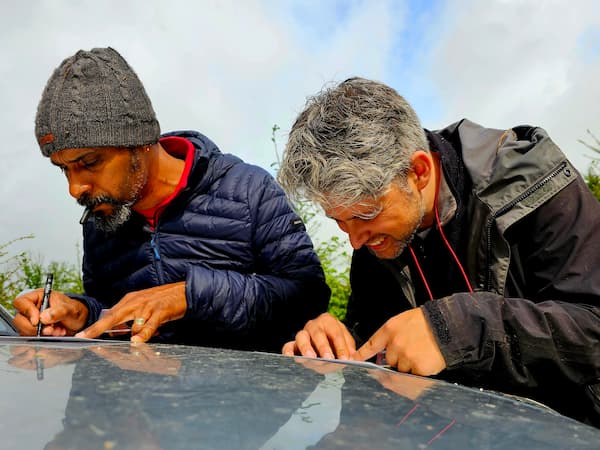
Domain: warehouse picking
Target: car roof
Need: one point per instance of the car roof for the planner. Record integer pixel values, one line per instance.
(68, 394)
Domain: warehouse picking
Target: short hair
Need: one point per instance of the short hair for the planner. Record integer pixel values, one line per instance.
(350, 143)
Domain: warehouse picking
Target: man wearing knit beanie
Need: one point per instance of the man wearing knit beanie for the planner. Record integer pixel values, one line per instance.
(184, 243)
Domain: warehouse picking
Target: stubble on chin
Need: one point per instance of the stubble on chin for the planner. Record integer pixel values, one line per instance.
(109, 223)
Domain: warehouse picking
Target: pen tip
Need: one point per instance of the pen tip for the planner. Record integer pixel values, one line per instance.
(85, 216)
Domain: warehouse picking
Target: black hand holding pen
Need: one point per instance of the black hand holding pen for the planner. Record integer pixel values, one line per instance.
(45, 300)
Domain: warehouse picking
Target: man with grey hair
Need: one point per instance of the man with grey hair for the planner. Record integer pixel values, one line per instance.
(476, 251)
(182, 243)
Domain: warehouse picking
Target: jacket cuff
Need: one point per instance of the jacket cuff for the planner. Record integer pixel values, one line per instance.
(459, 330)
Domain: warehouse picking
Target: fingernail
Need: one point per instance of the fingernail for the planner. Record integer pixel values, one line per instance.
(328, 355)
(311, 354)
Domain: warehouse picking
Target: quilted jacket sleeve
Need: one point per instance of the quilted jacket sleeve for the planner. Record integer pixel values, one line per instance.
(286, 289)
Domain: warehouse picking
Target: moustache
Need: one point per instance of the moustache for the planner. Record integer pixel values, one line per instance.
(90, 202)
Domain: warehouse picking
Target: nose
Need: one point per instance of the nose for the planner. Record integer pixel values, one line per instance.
(357, 232)
(78, 186)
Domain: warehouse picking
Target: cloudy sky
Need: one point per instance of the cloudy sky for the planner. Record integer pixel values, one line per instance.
(233, 69)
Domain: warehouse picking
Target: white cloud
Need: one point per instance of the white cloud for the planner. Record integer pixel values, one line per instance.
(229, 69)
(232, 69)
(504, 63)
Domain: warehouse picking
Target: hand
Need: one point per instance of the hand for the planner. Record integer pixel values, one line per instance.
(140, 358)
(408, 387)
(63, 317)
(409, 343)
(324, 336)
(27, 357)
(148, 309)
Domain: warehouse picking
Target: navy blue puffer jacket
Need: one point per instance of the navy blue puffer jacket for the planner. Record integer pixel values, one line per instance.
(252, 276)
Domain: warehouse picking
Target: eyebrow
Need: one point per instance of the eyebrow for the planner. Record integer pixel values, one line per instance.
(367, 215)
(74, 160)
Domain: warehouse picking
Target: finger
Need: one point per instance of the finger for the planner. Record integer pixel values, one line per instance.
(350, 344)
(289, 349)
(28, 306)
(142, 336)
(375, 344)
(343, 342)
(322, 334)
(54, 330)
(139, 321)
(111, 318)
(393, 359)
(304, 344)
(146, 331)
(403, 365)
(24, 325)
(340, 346)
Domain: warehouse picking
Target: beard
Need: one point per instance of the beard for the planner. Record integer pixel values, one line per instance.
(111, 221)
(400, 244)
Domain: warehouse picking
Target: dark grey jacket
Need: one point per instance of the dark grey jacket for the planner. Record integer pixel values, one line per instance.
(527, 231)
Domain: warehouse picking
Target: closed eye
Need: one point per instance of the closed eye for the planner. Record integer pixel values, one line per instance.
(89, 163)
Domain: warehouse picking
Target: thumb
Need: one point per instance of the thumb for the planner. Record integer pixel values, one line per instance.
(374, 345)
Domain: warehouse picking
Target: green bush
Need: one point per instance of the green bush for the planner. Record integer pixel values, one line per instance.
(332, 255)
(24, 271)
(593, 175)
(334, 259)
(593, 179)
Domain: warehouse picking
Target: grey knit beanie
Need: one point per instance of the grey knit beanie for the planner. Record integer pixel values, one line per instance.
(94, 99)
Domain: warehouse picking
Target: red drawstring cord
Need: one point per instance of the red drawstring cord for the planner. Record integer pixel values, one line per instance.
(412, 252)
(439, 224)
(462, 270)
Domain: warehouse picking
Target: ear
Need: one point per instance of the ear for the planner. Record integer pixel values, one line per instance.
(422, 167)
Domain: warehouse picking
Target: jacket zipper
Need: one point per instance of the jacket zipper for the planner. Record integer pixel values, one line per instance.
(156, 251)
(510, 205)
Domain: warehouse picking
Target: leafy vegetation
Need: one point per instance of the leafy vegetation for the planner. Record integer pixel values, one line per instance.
(334, 258)
(335, 261)
(22, 271)
(593, 176)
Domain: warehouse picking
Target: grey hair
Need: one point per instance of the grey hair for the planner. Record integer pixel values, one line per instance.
(350, 143)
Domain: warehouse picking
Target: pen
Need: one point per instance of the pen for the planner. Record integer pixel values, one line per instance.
(45, 299)
(86, 215)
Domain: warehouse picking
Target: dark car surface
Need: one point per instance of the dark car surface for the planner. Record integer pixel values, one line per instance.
(93, 395)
